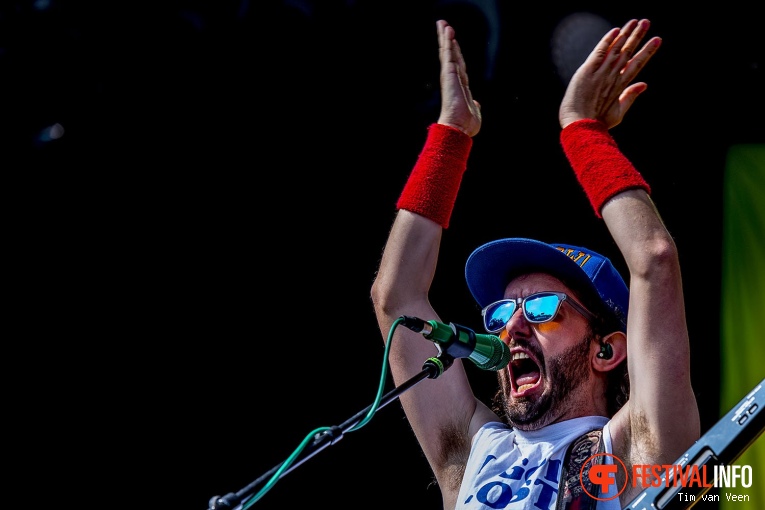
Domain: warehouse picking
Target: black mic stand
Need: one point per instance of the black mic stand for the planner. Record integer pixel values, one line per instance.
(432, 368)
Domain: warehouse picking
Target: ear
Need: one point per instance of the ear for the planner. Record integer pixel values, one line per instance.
(615, 347)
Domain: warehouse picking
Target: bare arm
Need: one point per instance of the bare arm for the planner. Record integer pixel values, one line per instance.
(660, 420)
(440, 411)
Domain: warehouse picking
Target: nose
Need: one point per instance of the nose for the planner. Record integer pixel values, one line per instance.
(518, 326)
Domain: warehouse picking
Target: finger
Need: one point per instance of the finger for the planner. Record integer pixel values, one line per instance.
(636, 63)
(624, 34)
(459, 59)
(629, 95)
(441, 30)
(598, 55)
(616, 57)
(445, 39)
(637, 34)
(440, 27)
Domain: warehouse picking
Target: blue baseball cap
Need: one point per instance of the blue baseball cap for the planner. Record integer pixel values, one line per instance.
(491, 267)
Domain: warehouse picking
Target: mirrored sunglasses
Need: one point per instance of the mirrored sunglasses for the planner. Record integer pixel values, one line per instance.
(537, 308)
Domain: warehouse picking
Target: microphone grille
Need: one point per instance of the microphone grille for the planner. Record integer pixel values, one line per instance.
(498, 358)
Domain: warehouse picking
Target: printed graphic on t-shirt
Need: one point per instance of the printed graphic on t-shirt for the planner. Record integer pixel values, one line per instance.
(522, 481)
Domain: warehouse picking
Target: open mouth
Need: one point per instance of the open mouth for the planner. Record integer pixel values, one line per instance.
(525, 372)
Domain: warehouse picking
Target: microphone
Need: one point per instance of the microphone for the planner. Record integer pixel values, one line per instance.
(488, 352)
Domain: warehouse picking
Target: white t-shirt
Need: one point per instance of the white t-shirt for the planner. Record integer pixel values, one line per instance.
(514, 469)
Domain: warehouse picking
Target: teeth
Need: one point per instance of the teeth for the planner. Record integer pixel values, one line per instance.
(520, 355)
(524, 387)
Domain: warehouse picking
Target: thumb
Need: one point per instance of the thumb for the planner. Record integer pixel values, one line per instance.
(630, 94)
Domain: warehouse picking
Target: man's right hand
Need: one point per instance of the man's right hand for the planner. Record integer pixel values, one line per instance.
(458, 108)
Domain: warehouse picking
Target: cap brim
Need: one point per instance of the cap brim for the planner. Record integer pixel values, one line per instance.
(491, 267)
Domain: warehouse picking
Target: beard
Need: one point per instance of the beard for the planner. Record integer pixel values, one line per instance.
(567, 372)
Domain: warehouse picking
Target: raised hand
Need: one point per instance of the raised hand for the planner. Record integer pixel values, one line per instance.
(458, 108)
(602, 87)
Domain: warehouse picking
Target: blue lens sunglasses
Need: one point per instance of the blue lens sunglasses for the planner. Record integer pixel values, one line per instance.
(537, 308)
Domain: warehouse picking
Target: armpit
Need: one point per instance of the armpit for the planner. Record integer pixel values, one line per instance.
(455, 450)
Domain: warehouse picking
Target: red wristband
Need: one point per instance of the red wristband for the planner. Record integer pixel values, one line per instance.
(433, 184)
(599, 165)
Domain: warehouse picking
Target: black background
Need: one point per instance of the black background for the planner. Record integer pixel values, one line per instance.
(208, 228)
